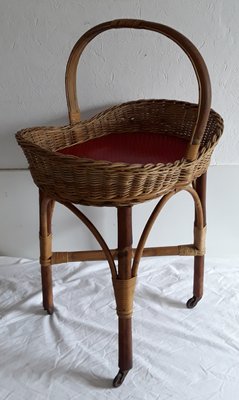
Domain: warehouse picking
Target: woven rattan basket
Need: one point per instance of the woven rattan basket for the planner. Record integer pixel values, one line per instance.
(68, 178)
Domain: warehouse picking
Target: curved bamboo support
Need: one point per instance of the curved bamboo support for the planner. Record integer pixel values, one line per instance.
(97, 236)
(199, 229)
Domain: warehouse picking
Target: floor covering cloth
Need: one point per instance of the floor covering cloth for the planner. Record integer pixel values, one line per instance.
(179, 354)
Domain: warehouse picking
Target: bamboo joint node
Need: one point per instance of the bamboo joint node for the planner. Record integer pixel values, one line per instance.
(125, 251)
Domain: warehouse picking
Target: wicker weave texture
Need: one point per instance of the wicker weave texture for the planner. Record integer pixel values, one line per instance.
(101, 183)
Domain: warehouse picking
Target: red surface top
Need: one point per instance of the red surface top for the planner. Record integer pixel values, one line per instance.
(130, 148)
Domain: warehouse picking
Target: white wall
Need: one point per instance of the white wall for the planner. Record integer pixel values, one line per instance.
(35, 40)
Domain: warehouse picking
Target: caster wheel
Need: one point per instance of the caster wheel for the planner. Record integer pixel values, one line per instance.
(119, 379)
(191, 303)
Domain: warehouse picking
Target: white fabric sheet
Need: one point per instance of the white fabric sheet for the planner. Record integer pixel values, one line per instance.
(179, 354)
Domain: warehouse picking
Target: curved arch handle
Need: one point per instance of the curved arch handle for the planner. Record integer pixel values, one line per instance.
(204, 86)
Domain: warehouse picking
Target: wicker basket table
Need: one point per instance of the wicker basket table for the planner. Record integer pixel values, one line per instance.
(63, 175)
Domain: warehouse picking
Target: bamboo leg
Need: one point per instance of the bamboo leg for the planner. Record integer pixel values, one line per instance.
(200, 187)
(124, 287)
(46, 210)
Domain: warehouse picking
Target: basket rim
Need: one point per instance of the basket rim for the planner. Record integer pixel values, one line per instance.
(101, 115)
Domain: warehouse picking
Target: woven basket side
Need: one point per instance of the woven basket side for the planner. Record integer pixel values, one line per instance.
(109, 186)
(91, 182)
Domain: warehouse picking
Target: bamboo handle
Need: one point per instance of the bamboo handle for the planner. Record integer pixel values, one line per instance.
(204, 86)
